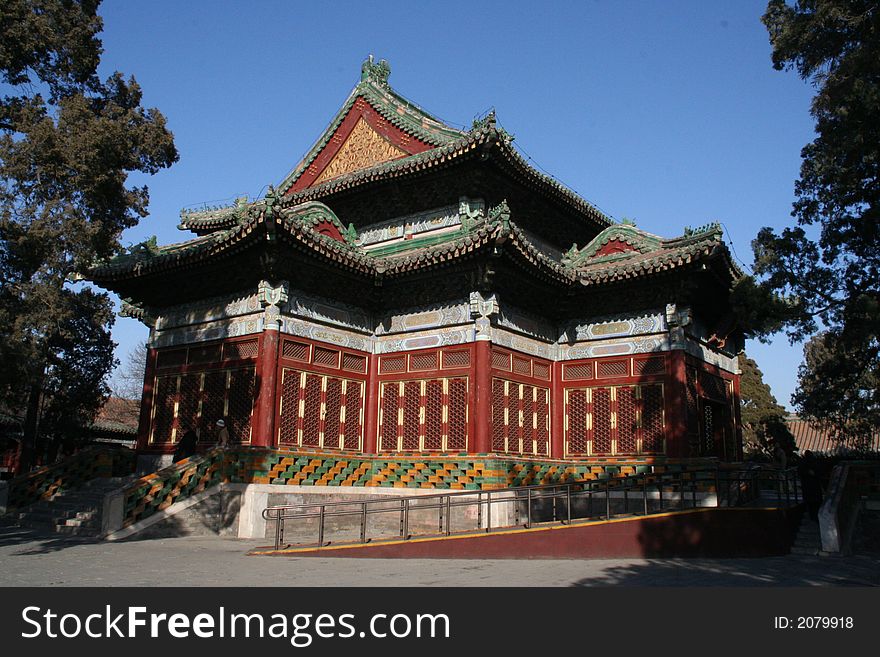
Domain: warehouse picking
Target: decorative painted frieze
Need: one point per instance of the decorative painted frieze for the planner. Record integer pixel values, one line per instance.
(424, 339)
(519, 321)
(602, 328)
(337, 336)
(598, 349)
(422, 318)
(330, 312)
(210, 310)
(710, 356)
(203, 332)
(523, 343)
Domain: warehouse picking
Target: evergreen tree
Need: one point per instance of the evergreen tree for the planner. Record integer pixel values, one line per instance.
(763, 418)
(826, 269)
(68, 141)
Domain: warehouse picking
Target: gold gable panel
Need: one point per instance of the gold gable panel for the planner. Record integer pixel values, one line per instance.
(364, 148)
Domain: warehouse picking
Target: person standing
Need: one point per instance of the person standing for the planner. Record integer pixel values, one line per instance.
(811, 484)
(222, 434)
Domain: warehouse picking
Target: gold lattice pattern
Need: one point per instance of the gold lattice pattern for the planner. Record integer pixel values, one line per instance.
(499, 416)
(412, 401)
(577, 422)
(295, 350)
(458, 409)
(520, 418)
(422, 362)
(432, 416)
(652, 418)
(290, 387)
(388, 420)
(460, 358)
(626, 420)
(601, 417)
(363, 148)
(198, 400)
(318, 410)
(613, 368)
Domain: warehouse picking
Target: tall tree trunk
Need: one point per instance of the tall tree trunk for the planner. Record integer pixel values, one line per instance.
(31, 427)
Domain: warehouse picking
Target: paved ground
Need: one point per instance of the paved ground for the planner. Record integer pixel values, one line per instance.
(30, 559)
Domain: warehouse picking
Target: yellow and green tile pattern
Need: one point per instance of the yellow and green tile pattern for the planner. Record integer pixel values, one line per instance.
(161, 489)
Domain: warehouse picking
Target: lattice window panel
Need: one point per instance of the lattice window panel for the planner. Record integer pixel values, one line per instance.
(354, 363)
(500, 360)
(461, 358)
(708, 429)
(204, 354)
(601, 420)
(434, 415)
(213, 399)
(527, 421)
(332, 412)
(522, 365)
(289, 415)
(577, 371)
(240, 403)
(392, 364)
(649, 366)
(691, 398)
(542, 370)
(423, 362)
(412, 401)
(613, 369)
(499, 416)
(652, 418)
(577, 422)
(164, 401)
(351, 433)
(326, 357)
(240, 350)
(188, 403)
(713, 386)
(542, 421)
(311, 413)
(171, 358)
(295, 350)
(457, 415)
(390, 406)
(627, 425)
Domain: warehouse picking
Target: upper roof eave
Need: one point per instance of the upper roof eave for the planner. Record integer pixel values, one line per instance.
(397, 110)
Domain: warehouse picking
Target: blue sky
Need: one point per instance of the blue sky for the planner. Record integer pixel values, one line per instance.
(669, 113)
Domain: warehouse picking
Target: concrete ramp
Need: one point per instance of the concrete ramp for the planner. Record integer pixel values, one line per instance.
(704, 532)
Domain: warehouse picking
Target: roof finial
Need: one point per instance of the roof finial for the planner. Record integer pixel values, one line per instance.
(377, 72)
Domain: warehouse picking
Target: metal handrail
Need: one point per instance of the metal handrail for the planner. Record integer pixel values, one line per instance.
(741, 486)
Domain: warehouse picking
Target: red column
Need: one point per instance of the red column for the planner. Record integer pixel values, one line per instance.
(371, 408)
(483, 405)
(267, 375)
(677, 434)
(557, 410)
(146, 401)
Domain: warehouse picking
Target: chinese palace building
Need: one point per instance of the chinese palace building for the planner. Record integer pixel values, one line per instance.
(412, 288)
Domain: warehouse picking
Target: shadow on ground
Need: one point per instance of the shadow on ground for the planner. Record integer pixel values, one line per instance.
(40, 542)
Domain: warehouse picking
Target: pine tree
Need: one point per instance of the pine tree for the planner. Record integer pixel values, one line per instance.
(763, 417)
(68, 141)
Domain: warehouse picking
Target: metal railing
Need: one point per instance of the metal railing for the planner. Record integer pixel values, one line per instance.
(568, 502)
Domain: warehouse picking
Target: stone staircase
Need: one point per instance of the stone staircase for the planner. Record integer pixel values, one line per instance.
(73, 513)
(808, 540)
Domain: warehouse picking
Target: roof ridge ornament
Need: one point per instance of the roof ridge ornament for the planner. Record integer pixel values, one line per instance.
(377, 72)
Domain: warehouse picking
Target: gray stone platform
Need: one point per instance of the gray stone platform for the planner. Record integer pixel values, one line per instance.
(32, 559)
